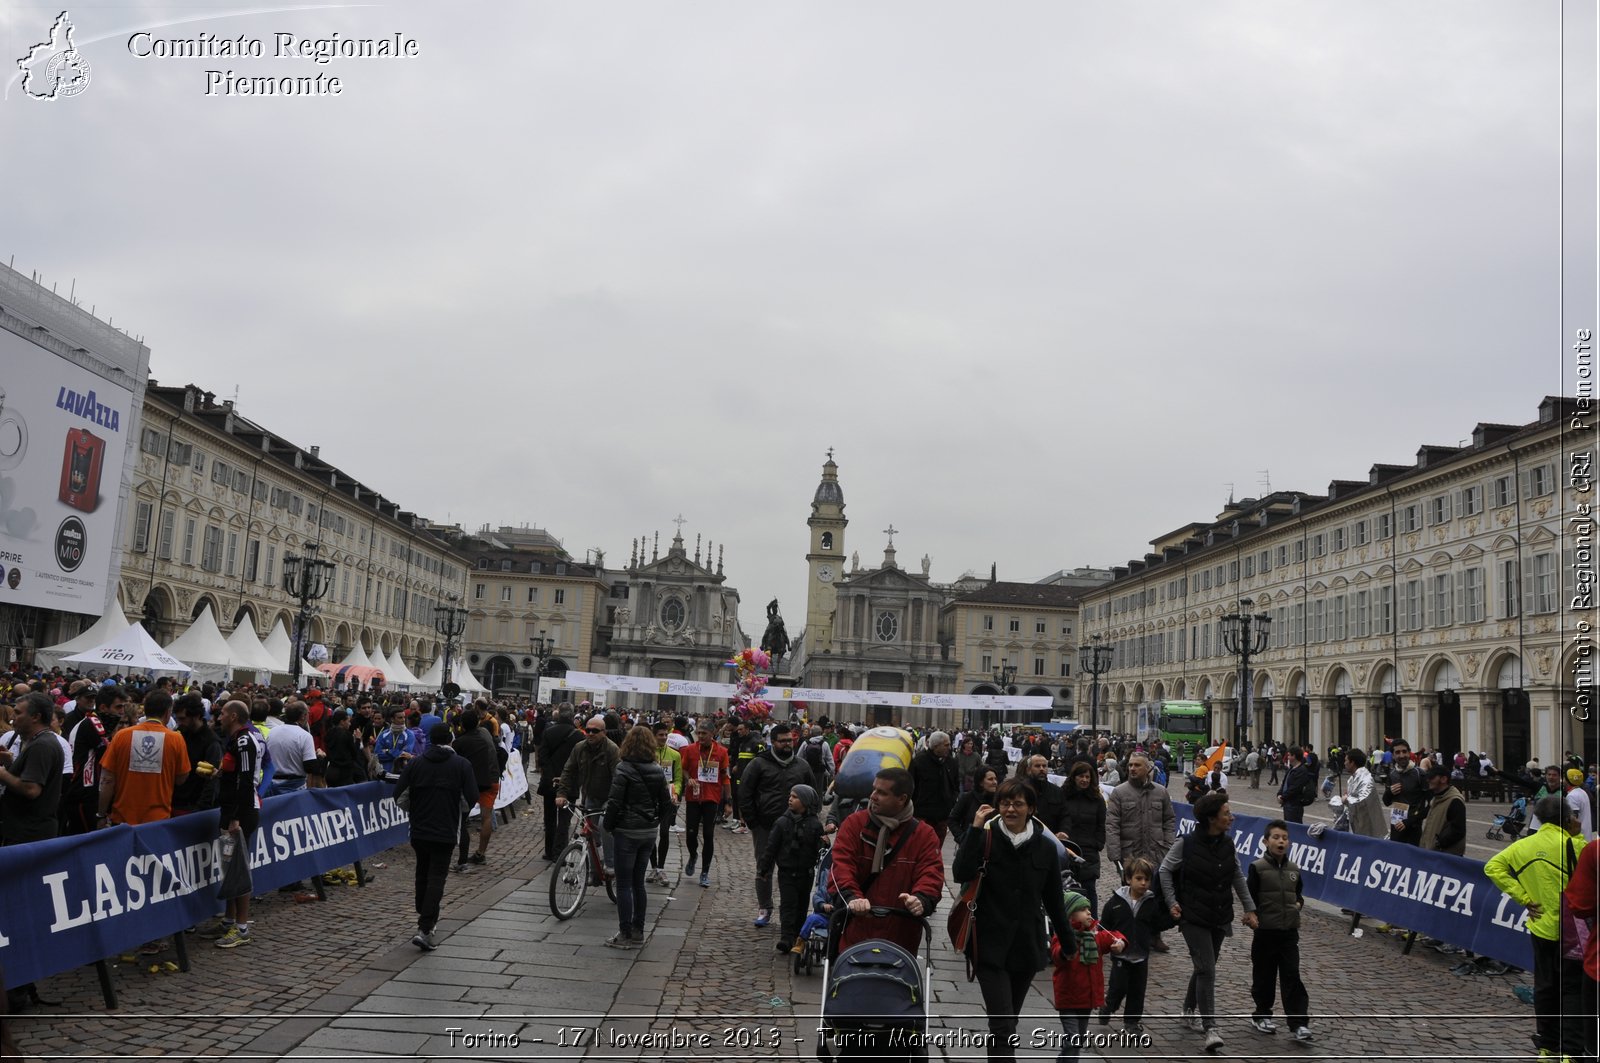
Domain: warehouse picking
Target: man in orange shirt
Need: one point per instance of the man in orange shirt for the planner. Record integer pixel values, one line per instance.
(142, 766)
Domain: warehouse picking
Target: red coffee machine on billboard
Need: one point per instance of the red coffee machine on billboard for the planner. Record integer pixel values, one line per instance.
(80, 469)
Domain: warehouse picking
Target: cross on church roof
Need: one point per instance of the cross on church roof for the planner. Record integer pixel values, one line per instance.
(830, 453)
(889, 531)
(680, 522)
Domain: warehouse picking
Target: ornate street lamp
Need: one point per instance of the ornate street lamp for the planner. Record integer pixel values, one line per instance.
(1003, 677)
(449, 621)
(1095, 658)
(1245, 634)
(542, 648)
(306, 579)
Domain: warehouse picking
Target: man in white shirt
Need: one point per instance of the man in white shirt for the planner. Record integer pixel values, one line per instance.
(293, 752)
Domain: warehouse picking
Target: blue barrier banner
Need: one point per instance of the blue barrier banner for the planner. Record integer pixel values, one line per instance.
(71, 901)
(1437, 894)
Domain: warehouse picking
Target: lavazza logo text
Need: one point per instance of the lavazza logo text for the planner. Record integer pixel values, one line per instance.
(54, 69)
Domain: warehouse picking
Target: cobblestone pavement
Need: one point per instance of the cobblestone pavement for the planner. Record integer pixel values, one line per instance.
(341, 979)
(305, 960)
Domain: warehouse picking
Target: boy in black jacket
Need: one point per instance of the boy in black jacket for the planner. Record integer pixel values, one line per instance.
(793, 845)
(1135, 913)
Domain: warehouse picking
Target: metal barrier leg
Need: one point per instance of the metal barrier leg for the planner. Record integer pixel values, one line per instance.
(1411, 939)
(361, 875)
(320, 886)
(108, 990)
(183, 951)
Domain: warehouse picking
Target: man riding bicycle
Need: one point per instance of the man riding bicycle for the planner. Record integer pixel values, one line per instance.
(586, 779)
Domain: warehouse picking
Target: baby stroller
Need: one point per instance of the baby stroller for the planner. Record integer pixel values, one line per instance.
(875, 995)
(1512, 823)
(814, 931)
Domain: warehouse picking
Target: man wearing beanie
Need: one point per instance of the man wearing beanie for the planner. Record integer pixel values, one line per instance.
(438, 782)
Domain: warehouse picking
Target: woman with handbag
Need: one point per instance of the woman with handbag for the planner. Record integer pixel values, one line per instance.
(1010, 867)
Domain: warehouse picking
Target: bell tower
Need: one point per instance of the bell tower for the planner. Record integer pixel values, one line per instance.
(825, 558)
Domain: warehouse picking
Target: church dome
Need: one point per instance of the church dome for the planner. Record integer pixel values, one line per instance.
(828, 491)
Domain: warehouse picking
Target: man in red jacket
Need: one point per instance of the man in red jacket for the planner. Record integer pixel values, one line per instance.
(883, 856)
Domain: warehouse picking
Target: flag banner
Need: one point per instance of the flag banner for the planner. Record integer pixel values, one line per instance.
(68, 902)
(633, 684)
(1443, 896)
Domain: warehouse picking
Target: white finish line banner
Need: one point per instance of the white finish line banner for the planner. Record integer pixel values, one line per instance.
(634, 684)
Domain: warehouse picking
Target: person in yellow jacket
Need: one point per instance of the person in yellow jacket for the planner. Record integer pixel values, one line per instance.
(672, 764)
(1533, 872)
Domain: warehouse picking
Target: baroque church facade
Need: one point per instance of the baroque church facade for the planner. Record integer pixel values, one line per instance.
(671, 617)
(868, 628)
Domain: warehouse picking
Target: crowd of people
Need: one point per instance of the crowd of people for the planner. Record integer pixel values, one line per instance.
(69, 764)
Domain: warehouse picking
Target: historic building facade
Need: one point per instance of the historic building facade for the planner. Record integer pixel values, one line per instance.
(671, 617)
(1031, 627)
(1434, 601)
(873, 628)
(523, 586)
(218, 502)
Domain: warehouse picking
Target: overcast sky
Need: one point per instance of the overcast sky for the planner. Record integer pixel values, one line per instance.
(1048, 276)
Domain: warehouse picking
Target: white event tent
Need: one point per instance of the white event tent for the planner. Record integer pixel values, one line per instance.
(460, 674)
(131, 650)
(433, 678)
(248, 653)
(358, 657)
(395, 670)
(463, 677)
(113, 622)
(280, 648)
(204, 645)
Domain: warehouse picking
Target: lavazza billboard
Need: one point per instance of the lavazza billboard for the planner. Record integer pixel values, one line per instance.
(70, 388)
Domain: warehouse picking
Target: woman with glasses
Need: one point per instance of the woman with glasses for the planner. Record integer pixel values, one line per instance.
(1021, 868)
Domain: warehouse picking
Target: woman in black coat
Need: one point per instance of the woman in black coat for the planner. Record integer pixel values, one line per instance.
(1085, 824)
(346, 760)
(1021, 884)
(978, 790)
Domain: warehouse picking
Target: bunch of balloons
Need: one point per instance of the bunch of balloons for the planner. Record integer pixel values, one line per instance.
(750, 666)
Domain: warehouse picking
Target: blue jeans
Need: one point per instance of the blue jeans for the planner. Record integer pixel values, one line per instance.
(285, 784)
(633, 860)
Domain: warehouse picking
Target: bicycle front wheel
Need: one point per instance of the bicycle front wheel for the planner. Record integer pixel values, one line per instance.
(569, 878)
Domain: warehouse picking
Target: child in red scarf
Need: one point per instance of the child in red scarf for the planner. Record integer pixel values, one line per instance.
(1079, 976)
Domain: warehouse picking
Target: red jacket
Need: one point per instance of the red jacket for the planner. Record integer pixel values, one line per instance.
(916, 866)
(1080, 986)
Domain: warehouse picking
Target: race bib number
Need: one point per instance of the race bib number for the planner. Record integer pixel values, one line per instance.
(146, 755)
(707, 772)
